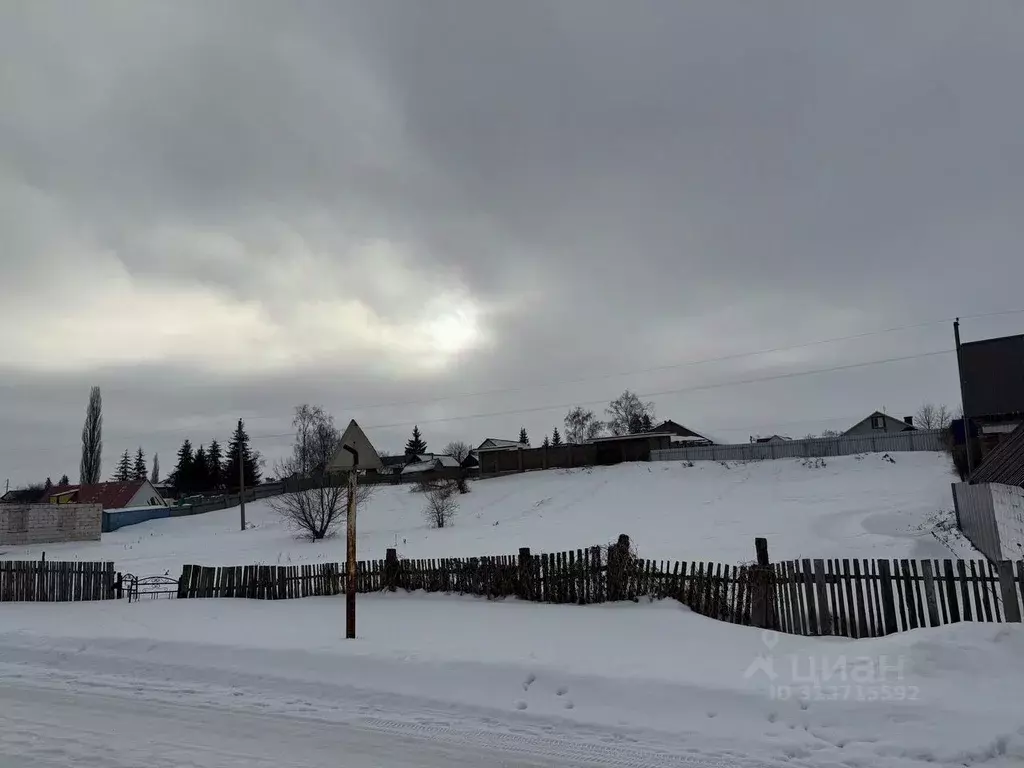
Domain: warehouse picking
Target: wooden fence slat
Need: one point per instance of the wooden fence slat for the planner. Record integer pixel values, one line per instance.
(853, 626)
(965, 589)
(951, 597)
(571, 591)
(992, 588)
(896, 579)
(824, 611)
(812, 611)
(885, 577)
(839, 599)
(903, 595)
(1008, 590)
(929, 593)
(982, 610)
(917, 583)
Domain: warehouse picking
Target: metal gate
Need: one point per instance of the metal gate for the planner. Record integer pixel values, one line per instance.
(152, 587)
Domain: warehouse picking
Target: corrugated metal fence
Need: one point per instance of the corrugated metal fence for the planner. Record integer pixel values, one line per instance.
(843, 445)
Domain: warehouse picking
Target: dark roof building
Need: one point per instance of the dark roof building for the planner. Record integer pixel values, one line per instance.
(112, 495)
(23, 496)
(881, 422)
(686, 435)
(992, 372)
(1005, 464)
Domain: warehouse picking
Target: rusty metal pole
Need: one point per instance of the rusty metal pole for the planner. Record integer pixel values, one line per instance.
(350, 550)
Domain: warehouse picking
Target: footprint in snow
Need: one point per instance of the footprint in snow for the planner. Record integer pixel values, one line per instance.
(562, 690)
(569, 705)
(520, 705)
(530, 680)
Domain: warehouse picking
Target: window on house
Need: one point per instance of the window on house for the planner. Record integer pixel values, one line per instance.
(876, 422)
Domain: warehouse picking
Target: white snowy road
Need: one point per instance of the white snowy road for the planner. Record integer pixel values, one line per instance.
(445, 681)
(84, 709)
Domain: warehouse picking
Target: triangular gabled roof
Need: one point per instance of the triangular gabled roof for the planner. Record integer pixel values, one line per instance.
(357, 439)
(894, 424)
(680, 430)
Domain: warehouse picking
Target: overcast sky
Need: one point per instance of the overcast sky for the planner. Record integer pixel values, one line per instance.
(424, 212)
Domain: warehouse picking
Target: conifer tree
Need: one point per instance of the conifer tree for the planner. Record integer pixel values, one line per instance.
(182, 475)
(139, 469)
(123, 471)
(523, 437)
(415, 445)
(556, 438)
(250, 459)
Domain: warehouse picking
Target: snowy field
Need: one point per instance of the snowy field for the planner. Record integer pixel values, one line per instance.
(446, 681)
(441, 680)
(854, 506)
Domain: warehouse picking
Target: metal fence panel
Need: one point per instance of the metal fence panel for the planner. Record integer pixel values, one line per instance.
(842, 445)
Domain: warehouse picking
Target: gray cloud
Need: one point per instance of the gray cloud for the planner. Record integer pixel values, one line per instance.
(224, 209)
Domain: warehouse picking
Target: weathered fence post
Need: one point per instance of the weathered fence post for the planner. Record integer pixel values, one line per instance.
(391, 569)
(888, 599)
(525, 587)
(760, 575)
(618, 569)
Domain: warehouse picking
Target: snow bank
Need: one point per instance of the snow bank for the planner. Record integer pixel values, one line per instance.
(853, 506)
(656, 674)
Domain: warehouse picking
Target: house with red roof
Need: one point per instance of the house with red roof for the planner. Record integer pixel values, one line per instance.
(112, 495)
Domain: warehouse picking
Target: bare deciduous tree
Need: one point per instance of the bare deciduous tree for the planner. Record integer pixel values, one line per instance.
(321, 502)
(442, 504)
(581, 425)
(458, 450)
(931, 416)
(315, 513)
(627, 413)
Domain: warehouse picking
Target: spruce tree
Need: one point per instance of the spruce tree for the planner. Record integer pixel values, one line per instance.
(139, 469)
(48, 484)
(645, 423)
(181, 477)
(154, 477)
(250, 459)
(215, 465)
(546, 443)
(200, 471)
(64, 480)
(415, 444)
(123, 471)
(556, 438)
(523, 437)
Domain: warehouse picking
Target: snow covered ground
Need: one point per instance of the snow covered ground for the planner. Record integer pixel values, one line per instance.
(446, 681)
(853, 506)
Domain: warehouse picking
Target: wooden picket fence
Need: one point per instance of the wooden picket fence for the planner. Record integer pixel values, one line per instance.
(852, 598)
(54, 581)
(871, 598)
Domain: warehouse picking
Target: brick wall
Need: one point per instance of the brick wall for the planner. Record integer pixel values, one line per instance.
(46, 523)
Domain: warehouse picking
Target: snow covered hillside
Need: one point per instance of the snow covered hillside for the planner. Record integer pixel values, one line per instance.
(446, 681)
(853, 506)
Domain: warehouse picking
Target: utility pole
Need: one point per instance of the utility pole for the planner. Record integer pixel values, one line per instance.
(963, 405)
(350, 549)
(241, 484)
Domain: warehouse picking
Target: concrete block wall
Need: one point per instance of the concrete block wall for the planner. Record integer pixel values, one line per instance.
(48, 523)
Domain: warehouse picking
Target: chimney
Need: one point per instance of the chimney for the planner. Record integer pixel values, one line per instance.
(908, 420)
